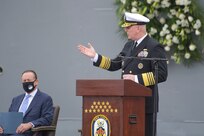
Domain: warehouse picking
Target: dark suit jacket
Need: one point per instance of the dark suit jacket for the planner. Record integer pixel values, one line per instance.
(145, 70)
(40, 111)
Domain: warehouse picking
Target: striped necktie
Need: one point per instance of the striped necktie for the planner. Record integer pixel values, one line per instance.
(24, 104)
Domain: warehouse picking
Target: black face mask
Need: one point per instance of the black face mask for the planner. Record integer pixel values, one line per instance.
(28, 86)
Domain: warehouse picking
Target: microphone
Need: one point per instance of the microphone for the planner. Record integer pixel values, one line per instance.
(1, 70)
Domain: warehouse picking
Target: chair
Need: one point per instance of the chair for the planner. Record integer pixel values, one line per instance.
(48, 130)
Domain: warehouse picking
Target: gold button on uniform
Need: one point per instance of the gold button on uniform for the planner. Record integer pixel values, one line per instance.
(140, 65)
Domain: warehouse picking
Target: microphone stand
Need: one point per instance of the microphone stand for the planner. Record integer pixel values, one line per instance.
(142, 58)
(155, 95)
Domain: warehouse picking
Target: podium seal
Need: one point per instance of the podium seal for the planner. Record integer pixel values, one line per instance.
(100, 126)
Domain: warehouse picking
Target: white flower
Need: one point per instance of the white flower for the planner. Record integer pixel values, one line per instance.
(187, 55)
(182, 33)
(182, 16)
(176, 58)
(167, 48)
(186, 9)
(190, 18)
(174, 27)
(168, 36)
(183, 2)
(165, 27)
(175, 40)
(153, 31)
(197, 25)
(149, 1)
(184, 23)
(197, 32)
(192, 47)
(162, 20)
(173, 12)
(123, 1)
(157, 0)
(165, 4)
(169, 15)
(180, 47)
(162, 33)
(169, 43)
(167, 31)
(134, 3)
(164, 30)
(134, 10)
(178, 22)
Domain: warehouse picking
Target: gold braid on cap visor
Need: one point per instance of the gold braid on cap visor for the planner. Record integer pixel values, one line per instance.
(127, 24)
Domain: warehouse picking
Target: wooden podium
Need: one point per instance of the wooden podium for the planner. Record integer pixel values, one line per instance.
(112, 107)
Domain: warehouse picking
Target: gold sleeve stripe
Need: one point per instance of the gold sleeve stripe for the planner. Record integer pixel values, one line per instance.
(148, 79)
(105, 63)
(108, 62)
(152, 78)
(145, 80)
(102, 62)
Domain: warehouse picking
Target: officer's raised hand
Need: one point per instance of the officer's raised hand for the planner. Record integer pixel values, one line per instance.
(88, 51)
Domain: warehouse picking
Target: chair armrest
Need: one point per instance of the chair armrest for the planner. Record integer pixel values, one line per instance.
(44, 128)
(80, 131)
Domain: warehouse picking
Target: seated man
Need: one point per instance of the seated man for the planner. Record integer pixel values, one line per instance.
(37, 108)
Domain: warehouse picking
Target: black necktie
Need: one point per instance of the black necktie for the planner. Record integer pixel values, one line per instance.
(134, 45)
